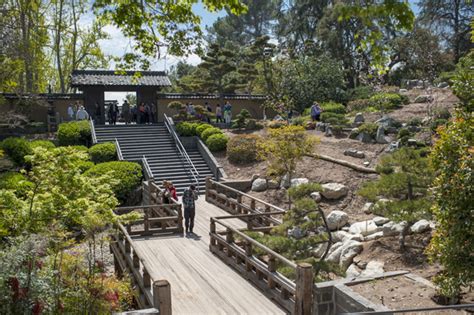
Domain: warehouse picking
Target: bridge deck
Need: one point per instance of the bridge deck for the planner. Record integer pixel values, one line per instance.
(200, 282)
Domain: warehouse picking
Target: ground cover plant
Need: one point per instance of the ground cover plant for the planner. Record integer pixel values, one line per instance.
(74, 133)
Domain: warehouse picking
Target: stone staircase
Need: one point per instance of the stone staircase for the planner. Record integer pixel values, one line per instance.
(158, 146)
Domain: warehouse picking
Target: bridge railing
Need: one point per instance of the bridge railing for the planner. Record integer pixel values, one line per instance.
(152, 292)
(93, 135)
(240, 251)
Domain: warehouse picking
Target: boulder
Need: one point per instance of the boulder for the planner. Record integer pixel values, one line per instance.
(420, 226)
(414, 129)
(328, 132)
(354, 133)
(334, 253)
(380, 220)
(386, 122)
(350, 249)
(367, 208)
(442, 85)
(296, 233)
(423, 99)
(365, 228)
(391, 228)
(374, 268)
(334, 191)
(393, 146)
(255, 176)
(373, 237)
(364, 137)
(320, 250)
(298, 181)
(273, 184)
(402, 91)
(316, 196)
(260, 184)
(380, 137)
(337, 219)
(366, 163)
(359, 119)
(354, 153)
(412, 143)
(353, 271)
(285, 182)
(342, 236)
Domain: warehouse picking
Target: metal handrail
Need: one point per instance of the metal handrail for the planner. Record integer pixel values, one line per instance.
(94, 136)
(184, 155)
(119, 151)
(147, 168)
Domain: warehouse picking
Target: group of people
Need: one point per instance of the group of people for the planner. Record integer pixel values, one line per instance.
(143, 114)
(190, 195)
(223, 114)
(77, 112)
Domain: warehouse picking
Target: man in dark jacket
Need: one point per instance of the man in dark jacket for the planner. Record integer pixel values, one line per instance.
(189, 196)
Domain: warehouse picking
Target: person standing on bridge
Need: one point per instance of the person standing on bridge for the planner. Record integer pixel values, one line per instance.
(189, 197)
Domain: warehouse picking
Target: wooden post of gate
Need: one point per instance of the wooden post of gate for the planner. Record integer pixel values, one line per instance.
(304, 289)
(208, 187)
(162, 296)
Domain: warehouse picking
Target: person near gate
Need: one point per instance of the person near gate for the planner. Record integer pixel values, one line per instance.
(227, 113)
(113, 113)
(70, 112)
(82, 114)
(189, 197)
(218, 114)
(126, 112)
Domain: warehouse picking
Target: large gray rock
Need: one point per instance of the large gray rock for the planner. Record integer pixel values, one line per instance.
(337, 219)
(367, 208)
(354, 153)
(380, 220)
(402, 91)
(374, 268)
(334, 191)
(423, 99)
(359, 119)
(391, 228)
(285, 181)
(386, 122)
(365, 228)
(342, 236)
(354, 133)
(353, 271)
(316, 196)
(443, 85)
(393, 146)
(380, 137)
(260, 184)
(373, 237)
(350, 249)
(320, 250)
(298, 181)
(296, 233)
(364, 137)
(335, 252)
(273, 184)
(420, 226)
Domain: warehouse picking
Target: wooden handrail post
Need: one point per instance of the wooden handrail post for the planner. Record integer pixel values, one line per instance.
(146, 224)
(127, 247)
(180, 218)
(229, 236)
(136, 260)
(248, 253)
(208, 187)
(162, 297)
(239, 204)
(304, 289)
(213, 232)
(146, 278)
(252, 205)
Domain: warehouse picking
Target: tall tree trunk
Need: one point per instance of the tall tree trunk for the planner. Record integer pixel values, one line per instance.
(59, 22)
(457, 53)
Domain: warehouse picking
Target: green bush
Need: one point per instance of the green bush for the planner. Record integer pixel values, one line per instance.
(442, 113)
(209, 132)
(386, 101)
(369, 128)
(200, 129)
(405, 99)
(361, 93)
(304, 190)
(333, 118)
(415, 121)
(74, 133)
(252, 124)
(103, 152)
(16, 148)
(83, 166)
(128, 176)
(359, 105)
(437, 122)
(80, 148)
(217, 142)
(333, 107)
(275, 124)
(242, 149)
(298, 121)
(187, 129)
(17, 182)
(403, 135)
(241, 119)
(42, 143)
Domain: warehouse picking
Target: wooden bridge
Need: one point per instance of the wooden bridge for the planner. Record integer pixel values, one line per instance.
(214, 270)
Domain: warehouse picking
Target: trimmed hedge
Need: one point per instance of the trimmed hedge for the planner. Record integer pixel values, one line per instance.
(333, 118)
(209, 132)
(359, 105)
(242, 149)
(128, 175)
(74, 133)
(103, 152)
(333, 107)
(16, 148)
(187, 129)
(43, 144)
(17, 182)
(369, 128)
(386, 101)
(217, 142)
(200, 129)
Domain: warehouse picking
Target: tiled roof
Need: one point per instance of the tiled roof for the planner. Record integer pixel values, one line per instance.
(203, 96)
(111, 78)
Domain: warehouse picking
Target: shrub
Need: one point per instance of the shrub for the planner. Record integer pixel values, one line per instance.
(80, 148)
(217, 142)
(442, 113)
(241, 120)
(298, 121)
(405, 99)
(275, 124)
(242, 149)
(103, 152)
(16, 148)
(386, 101)
(304, 190)
(83, 166)
(361, 93)
(186, 129)
(15, 181)
(369, 128)
(333, 107)
(74, 133)
(403, 135)
(42, 143)
(415, 121)
(209, 132)
(438, 122)
(252, 124)
(333, 118)
(201, 128)
(128, 176)
(359, 105)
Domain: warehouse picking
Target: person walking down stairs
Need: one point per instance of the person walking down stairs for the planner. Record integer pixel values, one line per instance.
(189, 196)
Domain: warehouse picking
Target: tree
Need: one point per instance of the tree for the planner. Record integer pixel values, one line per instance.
(453, 158)
(451, 20)
(131, 99)
(405, 177)
(153, 24)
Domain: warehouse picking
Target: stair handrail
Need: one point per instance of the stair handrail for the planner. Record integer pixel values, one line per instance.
(182, 151)
(147, 168)
(119, 151)
(94, 136)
